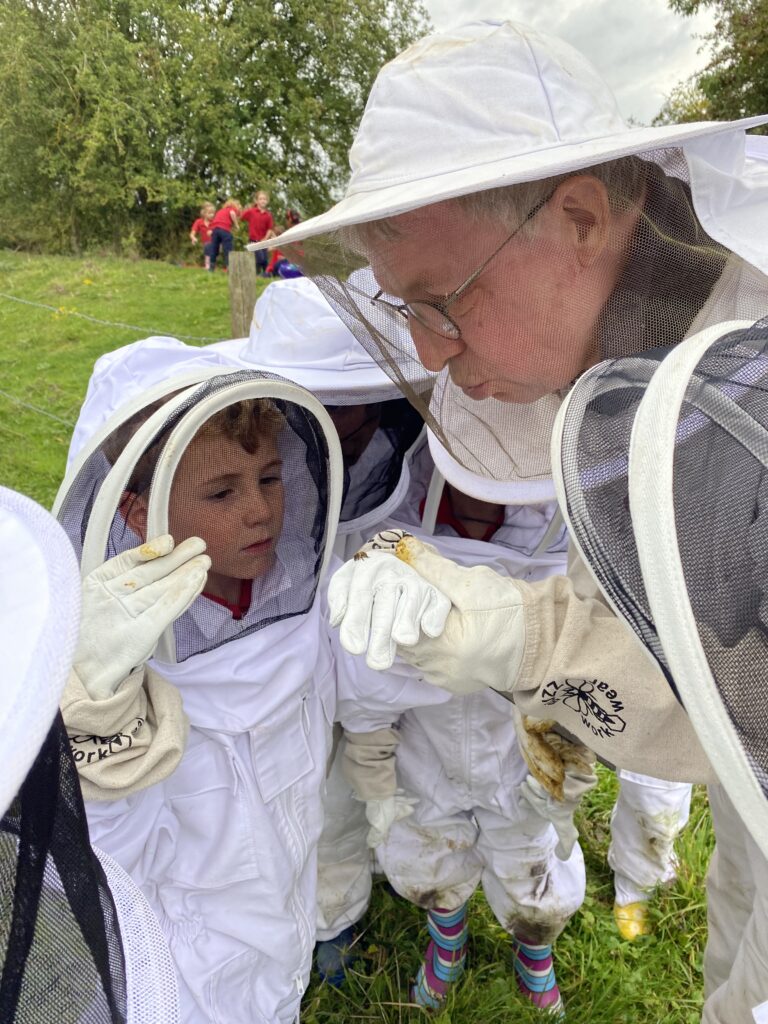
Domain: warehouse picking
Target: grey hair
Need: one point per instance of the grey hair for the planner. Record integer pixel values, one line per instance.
(625, 181)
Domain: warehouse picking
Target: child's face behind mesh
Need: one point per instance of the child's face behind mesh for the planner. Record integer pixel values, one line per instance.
(355, 425)
(233, 500)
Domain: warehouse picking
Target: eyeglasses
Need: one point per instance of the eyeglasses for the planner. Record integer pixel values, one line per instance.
(434, 315)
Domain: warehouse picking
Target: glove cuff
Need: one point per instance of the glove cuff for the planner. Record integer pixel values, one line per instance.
(368, 763)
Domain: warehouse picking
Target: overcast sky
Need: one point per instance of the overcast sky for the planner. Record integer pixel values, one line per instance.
(640, 47)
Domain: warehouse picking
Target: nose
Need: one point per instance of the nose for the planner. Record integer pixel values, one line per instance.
(256, 508)
(433, 350)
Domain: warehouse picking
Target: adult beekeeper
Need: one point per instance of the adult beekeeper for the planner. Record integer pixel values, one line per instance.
(518, 232)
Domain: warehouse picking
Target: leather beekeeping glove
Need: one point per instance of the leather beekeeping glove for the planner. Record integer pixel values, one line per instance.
(127, 603)
(549, 754)
(483, 640)
(379, 602)
(561, 773)
(382, 814)
(560, 812)
(369, 767)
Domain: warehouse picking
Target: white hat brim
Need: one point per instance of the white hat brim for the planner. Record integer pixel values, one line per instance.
(395, 197)
(332, 386)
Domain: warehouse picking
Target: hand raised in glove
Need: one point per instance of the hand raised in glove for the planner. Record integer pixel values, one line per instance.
(561, 773)
(483, 641)
(379, 602)
(382, 814)
(127, 603)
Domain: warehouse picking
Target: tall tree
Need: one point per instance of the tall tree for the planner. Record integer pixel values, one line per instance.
(118, 117)
(734, 82)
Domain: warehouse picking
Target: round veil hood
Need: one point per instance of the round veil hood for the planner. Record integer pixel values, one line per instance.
(517, 472)
(136, 370)
(262, 487)
(39, 617)
(661, 463)
(79, 943)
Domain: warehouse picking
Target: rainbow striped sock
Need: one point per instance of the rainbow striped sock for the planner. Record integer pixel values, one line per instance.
(445, 957)
(536, 976)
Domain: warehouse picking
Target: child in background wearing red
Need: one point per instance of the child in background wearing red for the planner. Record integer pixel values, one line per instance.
(202, 229)
(276, 256)
(260, 225)
(224, 222)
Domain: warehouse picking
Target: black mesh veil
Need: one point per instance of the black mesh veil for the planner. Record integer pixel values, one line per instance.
(170, 468)
(373, 469)
(590, 460)
(699, 496)
(59, 935)
(61, 954)
(661, 462)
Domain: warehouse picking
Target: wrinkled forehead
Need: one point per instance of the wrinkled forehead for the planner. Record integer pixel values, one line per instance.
(427, 249)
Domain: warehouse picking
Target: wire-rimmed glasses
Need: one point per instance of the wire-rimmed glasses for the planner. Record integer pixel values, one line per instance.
(434, 315)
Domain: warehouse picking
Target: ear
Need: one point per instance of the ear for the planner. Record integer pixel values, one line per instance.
(133, 509)
(584, 215)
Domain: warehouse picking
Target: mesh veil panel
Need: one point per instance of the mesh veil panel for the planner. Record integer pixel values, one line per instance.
(62, 955)
(593, 464)
(151, 986)
(76, 505)
(720, 482)
(373, 467)
(286, 521)
(653, 281)
(278, 584)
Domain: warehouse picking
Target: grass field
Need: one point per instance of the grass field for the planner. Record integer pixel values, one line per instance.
(45, 362)
(46, 355)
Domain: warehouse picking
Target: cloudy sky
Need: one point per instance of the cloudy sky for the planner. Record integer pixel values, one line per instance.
(640, 47)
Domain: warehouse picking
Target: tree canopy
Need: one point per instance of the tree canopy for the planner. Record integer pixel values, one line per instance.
(734, 82)
(118, 118)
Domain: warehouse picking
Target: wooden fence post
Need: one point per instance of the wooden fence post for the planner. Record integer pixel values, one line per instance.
(242, 291)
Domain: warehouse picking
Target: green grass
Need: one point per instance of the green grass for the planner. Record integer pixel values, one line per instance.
(46, 357)
(604, 980)
(45, 361)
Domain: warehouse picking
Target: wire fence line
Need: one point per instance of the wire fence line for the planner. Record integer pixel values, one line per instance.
(36, 408)
(62, 311)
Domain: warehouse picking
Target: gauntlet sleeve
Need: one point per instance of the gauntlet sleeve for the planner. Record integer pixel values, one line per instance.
(129, 741)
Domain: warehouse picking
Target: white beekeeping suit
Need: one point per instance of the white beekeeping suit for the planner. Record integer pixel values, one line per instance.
(232, 716)
(295, 333)
(461, 759)
(649, 813)
(79, 941)
(526, 232)
(664, 476)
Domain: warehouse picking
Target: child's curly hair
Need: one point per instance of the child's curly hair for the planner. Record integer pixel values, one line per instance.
(247, 422)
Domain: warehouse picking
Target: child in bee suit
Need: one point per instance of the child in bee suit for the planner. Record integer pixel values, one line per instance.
(295, 333)
(204, 510)
(479, 817)
(649, 813)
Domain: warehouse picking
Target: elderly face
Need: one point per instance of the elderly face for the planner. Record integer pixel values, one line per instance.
(528, 322)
